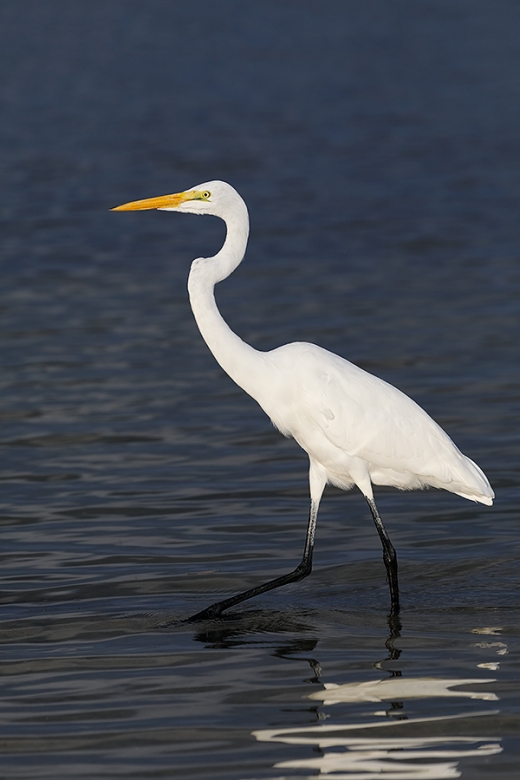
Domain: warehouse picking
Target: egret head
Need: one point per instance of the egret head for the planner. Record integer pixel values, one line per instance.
(212, 197)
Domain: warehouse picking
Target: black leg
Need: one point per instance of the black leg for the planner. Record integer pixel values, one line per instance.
(389, 557)
(301, 571)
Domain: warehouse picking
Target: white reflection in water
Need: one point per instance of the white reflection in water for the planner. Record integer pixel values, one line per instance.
(500, 648)
(398, 688)
(394, 758)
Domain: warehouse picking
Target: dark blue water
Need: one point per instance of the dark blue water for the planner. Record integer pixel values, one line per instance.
(378, 148)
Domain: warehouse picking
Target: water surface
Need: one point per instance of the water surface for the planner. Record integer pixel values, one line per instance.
(377, 148)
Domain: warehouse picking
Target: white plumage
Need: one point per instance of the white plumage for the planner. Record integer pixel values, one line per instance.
(356, 428)
(359, 428)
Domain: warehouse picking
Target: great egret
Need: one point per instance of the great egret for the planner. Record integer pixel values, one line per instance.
(355, 428)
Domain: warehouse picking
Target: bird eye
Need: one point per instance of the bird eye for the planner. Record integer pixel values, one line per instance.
(206, 195)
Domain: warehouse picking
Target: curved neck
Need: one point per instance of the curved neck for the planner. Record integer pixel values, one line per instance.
(235, 356)
(234, 247)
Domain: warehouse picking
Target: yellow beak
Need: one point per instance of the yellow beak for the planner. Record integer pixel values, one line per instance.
(163, 201)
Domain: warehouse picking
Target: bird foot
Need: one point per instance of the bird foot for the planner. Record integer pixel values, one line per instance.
(210, 613)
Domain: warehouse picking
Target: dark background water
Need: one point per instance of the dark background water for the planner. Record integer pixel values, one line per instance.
(378, 148)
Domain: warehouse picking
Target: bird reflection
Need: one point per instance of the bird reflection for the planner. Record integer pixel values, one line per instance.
(399, 688)
(392, 743)
(395, 758)
(361, 749)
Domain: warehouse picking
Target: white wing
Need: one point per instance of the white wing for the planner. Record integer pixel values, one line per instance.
(363, 417)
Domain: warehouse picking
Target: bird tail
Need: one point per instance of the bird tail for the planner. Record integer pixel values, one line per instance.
(474, 485)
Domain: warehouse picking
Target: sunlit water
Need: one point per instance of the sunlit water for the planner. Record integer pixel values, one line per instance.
(377, 147)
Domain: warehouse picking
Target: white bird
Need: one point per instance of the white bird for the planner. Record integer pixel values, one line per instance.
(356, 428)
